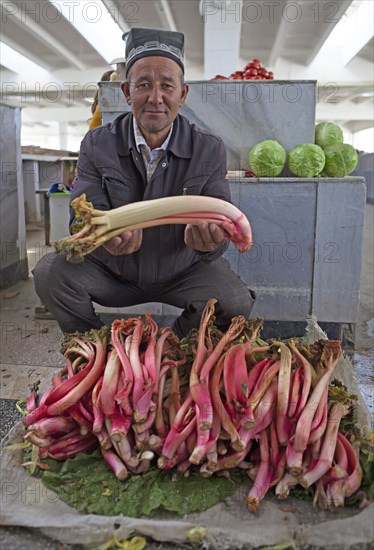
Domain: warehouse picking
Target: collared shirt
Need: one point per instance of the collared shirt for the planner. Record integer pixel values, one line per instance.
(150, 156)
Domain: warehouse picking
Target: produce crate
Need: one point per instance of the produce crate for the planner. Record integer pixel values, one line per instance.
(365, 169)
(241, 112)
(13, 262)
(306, 257)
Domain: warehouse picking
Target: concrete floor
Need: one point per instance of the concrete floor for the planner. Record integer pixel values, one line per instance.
(30, 352)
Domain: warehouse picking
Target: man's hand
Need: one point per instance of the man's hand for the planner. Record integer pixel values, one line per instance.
(126, 243)
(203, 237)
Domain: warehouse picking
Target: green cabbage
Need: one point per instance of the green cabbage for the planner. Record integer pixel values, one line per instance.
(328, 133)
(267, 158)
(341, 160)
(306, 160)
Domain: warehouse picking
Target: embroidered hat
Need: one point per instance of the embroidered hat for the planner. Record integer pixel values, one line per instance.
(146, 42)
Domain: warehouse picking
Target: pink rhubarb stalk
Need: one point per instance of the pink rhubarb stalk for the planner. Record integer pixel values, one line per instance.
(296, 383)
(219, 408)
(199, 382)
(258, 393)
(307, 379)
(256, 371)
(353, 481)
(86, 443)
(319, 423)
(86, 384)
(338, 410)
(53, 425)
(284, 425)
(304, 423)
(110, 382)
(263, 477)
(184, 424)
(115, 464)
(264, 414)
(235, 378)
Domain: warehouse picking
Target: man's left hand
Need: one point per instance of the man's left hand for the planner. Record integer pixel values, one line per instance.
(204, 237)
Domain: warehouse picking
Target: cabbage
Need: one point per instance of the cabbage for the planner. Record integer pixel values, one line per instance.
(341, 160)
(267, 158)
(328, 133)
(306, 160)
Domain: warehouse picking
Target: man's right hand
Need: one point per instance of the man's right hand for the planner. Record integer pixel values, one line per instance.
(126, 243)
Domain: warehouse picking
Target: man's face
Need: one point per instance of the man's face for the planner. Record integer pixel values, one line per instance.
(155, 92)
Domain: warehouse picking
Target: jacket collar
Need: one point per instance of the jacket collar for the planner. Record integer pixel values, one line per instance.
(180, 141)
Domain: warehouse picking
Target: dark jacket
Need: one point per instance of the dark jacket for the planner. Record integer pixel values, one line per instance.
(111, 173)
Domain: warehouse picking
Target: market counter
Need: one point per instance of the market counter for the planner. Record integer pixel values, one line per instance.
(306, 256)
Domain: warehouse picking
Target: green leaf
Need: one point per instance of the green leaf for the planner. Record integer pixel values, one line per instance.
(84, 482)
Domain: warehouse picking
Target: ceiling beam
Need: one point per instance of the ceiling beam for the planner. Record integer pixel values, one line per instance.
(358, 125)
(344, 110)
(25, 52)
(363, 20)
(56, 114)
(343, 5)
(87, 18)
(24, 21)
(13, 65)
(279, 39)
(353, 31)
(166, 15)
(115, 12)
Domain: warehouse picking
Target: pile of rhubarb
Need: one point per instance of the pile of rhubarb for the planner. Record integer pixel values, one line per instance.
(209, 403)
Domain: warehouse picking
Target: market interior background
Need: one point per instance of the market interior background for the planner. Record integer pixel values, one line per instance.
(52, 56)
(54, 52)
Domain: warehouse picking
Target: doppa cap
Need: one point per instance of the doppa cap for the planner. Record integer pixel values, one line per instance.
(148, 42)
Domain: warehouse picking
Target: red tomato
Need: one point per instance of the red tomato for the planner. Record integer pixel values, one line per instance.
(252, 72)
(255, 63)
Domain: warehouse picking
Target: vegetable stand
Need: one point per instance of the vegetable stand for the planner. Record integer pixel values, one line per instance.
(306, 257)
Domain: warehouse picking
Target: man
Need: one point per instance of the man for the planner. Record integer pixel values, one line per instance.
(148, 153)
(120, 75)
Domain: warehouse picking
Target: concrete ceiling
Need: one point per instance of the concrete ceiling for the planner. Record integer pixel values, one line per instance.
(286, 36)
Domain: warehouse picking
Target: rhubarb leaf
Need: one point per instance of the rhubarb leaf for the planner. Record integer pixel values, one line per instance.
(365, 494)
(87, 484)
